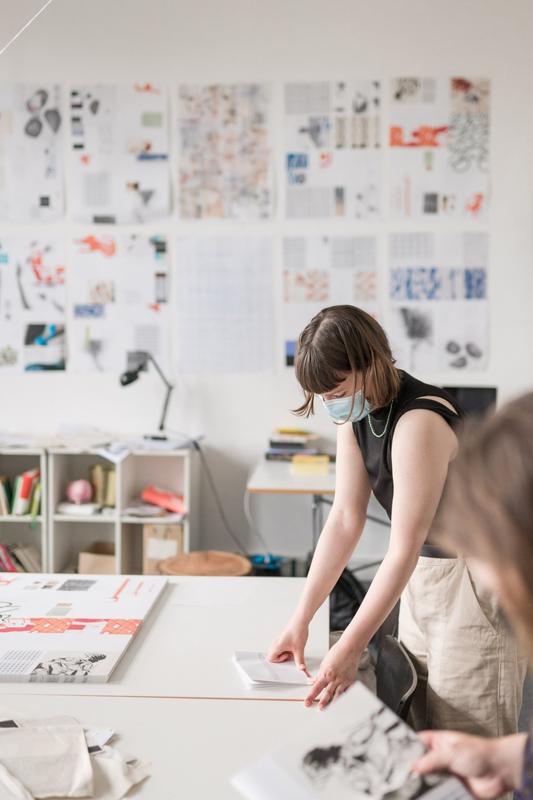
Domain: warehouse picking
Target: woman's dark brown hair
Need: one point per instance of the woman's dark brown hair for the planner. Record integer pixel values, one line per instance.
(341, 340)
(487, 507)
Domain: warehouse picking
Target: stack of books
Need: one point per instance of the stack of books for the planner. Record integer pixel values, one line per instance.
(21, 495)
(19, 558)
(284, 443)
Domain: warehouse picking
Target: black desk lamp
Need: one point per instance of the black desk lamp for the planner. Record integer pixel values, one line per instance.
(130, 376)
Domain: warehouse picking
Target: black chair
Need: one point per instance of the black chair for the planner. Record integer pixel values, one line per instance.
(396, 678)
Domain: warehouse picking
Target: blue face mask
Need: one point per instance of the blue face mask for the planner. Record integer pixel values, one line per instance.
(339, 409)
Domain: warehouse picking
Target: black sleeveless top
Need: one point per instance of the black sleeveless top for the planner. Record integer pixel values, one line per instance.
(376, 451)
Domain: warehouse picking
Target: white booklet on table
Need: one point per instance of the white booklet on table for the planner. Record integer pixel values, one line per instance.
(356, 749)
(257, 670)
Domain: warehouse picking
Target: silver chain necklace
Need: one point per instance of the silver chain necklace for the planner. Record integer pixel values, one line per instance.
(384, 431)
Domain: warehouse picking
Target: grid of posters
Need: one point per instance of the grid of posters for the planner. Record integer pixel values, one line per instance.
(32, 304)
(119, 169)
(225, 314)
(119, 287)
(225, 167)
(111, 291)
(332, 143)
(439, 140)
(320, 271)
(439, 300)
(31, 153)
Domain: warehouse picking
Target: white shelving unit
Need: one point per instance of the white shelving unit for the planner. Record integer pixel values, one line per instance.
(175, 470)
(26, 529)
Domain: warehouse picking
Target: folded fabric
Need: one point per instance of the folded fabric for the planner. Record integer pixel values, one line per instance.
(11, 788)
(49, 760)
(113, 776)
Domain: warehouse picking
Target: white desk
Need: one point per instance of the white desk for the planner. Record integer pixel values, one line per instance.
(194, 746)
(186, 650)
(277, 477)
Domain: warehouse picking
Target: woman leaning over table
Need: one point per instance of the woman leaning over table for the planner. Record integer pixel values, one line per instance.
(396, 437)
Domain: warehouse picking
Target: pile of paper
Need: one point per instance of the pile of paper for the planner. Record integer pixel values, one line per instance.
(57, 757)
(257, 670)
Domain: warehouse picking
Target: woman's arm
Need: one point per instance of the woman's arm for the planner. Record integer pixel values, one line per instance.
(344, 525)
(336, 543)
(422, 448)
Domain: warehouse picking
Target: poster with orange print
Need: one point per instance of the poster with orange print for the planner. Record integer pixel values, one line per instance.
(439, 140)
(119, 290)
(33, 303)
(70, 628)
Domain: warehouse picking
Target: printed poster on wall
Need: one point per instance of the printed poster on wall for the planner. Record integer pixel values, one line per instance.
(439, 300)
(333, 149)
(32, 304)
(439, 148)
(119, 170)
(224, 320)
(225, 158)
(320, 271)
(119, 288)
(31, 153)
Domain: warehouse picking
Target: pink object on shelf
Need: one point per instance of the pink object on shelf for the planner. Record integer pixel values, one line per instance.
(80, 491)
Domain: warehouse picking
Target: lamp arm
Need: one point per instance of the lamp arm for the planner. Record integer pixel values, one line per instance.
(149, 357)
(170, 387)
(165, 407)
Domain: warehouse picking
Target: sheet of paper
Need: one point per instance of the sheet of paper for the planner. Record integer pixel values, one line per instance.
(439, 300)
(357, 748)
(257, 669)
(31, 153)
(119, 165)
(33, 303)
(439, 139)
(332, 149)
(320, 271)
(225, 167)
(225, 317)
(119, 291)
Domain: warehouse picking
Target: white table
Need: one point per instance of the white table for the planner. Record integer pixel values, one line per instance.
(194, 746)
(185, 647)
(278, 477)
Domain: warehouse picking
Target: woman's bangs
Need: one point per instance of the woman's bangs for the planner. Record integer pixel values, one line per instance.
(316, 375)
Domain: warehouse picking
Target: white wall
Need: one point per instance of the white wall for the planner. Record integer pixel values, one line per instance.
(275, 40)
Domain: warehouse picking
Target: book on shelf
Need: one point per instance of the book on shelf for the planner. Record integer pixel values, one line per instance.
(110, 495)
(171, 501)
(23, 490)
(356, 748)
(97, 478)
(5, 495)
(20, 496)
(19, 558)
(286, 453)
(78, 509)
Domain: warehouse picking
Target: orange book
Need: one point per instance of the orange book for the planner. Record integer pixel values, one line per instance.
(164, 499)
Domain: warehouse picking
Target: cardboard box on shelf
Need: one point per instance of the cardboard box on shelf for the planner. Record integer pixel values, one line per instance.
(98, 560)
(160, 541)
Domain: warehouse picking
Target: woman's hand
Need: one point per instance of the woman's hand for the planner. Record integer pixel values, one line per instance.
(488, 767)
(291, 644)
(337, 672)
